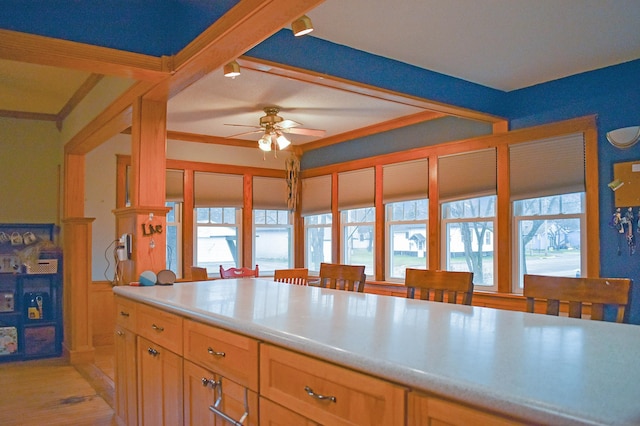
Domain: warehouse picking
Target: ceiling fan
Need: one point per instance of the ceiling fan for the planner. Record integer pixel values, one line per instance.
(274, 127)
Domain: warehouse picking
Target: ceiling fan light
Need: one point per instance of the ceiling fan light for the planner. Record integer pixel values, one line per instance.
(283, 142)
(301, 26)
(232, 69)
(264, 143)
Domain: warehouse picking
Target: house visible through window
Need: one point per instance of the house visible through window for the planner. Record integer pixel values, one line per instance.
(407, 233)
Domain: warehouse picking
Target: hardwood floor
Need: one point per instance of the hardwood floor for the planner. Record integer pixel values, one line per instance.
(52, 392)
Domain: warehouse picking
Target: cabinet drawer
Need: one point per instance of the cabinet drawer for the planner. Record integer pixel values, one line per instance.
(126, 313)
(425, 410)
(229, 354)
(160, 327)
(328, 393)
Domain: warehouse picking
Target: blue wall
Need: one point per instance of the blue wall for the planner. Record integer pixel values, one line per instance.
(150, 27)
(613, 94)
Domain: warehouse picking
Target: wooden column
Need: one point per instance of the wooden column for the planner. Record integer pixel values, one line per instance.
(76, 239)
(145, 219)
(78, 341)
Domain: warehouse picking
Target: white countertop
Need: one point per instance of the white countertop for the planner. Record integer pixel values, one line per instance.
(537, 367)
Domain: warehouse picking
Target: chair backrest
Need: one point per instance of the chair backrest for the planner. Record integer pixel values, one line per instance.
(342, 277)
(296, 276)
(435, 285)
(595, 291)
(199, 274)
(243, 272)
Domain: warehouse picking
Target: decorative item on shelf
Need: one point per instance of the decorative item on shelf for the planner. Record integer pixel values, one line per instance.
(148, 278)
(36, 304)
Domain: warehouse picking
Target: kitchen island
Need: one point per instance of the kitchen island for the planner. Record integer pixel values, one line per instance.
(516, 366)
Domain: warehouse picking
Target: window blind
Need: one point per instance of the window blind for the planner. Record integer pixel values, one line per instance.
(217, 190)
(174, 191)
(547, 167)
(467, 175)
(316, 195)
(405, 181)
(269, 193)
(356, 189)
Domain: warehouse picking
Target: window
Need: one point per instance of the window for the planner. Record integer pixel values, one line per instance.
(273, 244)
(407, 236)
(217, 243)
(468, 238)
(548, 232)
(174, 196)
(358, 237)
(318, 240)
(548, 207)
(316, 208)
(174, 238)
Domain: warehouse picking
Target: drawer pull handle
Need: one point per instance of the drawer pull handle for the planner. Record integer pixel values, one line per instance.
(119, 333)
(312, 394)
(157, 328)
(209, 383)
(214, 353)
(214, 408)
(153, 352)
(124, 314)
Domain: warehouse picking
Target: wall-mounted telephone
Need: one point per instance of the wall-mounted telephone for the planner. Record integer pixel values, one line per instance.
(124, 247)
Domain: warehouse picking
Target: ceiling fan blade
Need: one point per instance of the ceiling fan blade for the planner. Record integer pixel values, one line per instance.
(243, 125)
(287, 124)
(244, 133)
(307, 132)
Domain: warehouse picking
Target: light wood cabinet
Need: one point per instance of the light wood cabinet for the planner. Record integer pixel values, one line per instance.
(272, 414)
(228, 354)
(211, 399)
(424, 410)
(159, 385)
(160, 327)
(125, 375)
(126, 313)
(328, 393)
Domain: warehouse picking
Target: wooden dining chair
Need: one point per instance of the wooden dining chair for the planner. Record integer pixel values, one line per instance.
(243, 272)
(597, 292)
(342, 277)
(297, 276)
(439, 286)
(199, 274)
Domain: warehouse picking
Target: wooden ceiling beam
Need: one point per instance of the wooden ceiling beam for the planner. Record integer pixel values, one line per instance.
(217, 140)
(350, 86)
(41, 50)
(244, 26)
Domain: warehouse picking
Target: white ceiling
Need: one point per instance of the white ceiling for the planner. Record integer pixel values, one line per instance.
(504, 44)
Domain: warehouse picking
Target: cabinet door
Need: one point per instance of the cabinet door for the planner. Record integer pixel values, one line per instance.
(199, 394)
(206, 392)
(272, 414)
(159, 385)
(430, 411)
(125, 376)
